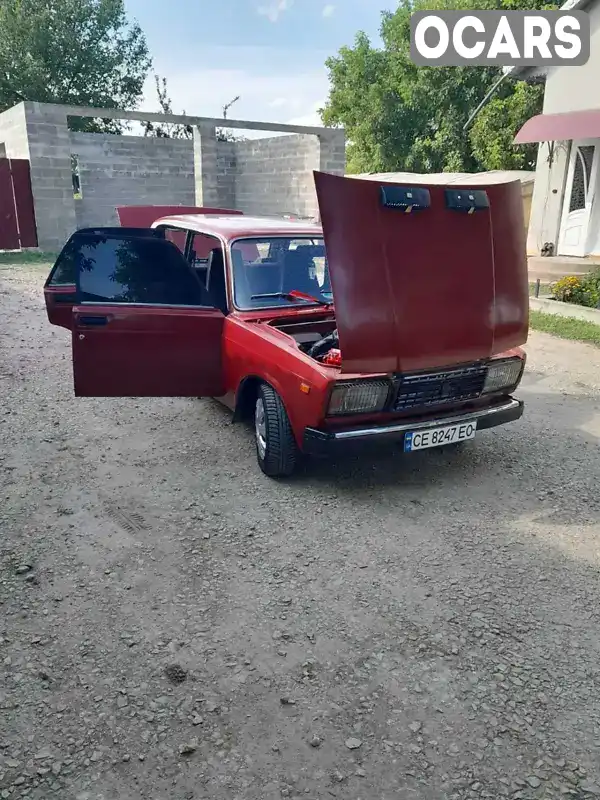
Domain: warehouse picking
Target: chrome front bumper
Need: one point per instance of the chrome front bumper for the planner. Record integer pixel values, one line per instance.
(322, 443)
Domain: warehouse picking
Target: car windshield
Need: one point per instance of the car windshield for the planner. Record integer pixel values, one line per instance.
(280, 271)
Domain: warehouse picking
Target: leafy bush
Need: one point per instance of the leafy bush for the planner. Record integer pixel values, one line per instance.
(568, 289)
(584, 291)
(591, 287)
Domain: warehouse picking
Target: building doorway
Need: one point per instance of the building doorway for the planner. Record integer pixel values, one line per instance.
(580, 190)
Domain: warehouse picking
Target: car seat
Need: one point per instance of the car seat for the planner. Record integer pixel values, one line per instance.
(215, 280)
(298, 273)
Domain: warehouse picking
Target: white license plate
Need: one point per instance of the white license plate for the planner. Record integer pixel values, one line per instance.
(436, 437)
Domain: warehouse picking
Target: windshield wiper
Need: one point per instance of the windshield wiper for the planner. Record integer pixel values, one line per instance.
(304, 296)
(266, 296)
(294, 294)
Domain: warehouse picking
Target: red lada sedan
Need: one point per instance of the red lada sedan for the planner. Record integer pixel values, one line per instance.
(399, 318)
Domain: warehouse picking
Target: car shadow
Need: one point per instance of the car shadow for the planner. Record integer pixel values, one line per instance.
(552, 453)
(553, 446)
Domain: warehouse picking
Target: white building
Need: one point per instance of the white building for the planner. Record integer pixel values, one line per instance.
(565, 211)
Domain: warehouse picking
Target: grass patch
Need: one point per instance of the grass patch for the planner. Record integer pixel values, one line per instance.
(579, 330)
(17, 258)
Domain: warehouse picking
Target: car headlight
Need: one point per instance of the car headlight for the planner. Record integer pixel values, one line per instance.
(358, 398)
(503, 374)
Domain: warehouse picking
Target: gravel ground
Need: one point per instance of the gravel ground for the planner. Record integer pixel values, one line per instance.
(174, 625)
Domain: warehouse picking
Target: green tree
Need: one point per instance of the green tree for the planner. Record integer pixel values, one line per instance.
(166, 130)
(76, 52)
(169, 130)
(495, 127)
(399, 116)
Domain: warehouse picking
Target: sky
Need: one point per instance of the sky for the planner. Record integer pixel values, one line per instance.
(269, 52)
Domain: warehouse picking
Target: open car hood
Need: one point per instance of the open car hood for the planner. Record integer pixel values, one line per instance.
(425, 276)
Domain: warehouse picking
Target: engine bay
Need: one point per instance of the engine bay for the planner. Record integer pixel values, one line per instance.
(319, 339)
(327, 350)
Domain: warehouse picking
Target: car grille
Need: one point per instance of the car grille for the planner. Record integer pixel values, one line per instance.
(439, 388)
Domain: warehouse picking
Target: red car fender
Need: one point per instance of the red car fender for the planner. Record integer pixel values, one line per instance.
(300, 416)
(249, 354)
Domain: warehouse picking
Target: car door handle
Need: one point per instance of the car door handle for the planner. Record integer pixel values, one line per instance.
(93, 320)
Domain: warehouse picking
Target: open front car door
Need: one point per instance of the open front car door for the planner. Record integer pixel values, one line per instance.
(142, 324)
(59, 289)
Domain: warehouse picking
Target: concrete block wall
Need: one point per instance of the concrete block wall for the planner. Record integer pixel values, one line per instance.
(226, 173)
(274, 175)
(264, 176)
(51, 183)
(130, 170)
(333, 152)
(205, 165)
(332, 155)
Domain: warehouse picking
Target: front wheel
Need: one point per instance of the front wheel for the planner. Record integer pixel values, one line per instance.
(276, 448)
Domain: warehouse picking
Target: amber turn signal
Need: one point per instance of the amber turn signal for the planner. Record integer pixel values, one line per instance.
(304, 387)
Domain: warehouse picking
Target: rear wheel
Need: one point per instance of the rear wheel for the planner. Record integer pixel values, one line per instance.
(276, 448)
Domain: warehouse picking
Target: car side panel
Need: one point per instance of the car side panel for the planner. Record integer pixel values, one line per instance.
(146, 351)
(251, 349)
(59, 304)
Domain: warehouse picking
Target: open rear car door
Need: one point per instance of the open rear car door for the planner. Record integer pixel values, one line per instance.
(142, 325)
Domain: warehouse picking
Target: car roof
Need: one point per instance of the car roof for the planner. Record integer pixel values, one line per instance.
(235, 226)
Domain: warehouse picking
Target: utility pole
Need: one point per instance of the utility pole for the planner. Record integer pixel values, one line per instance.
(485, 100)
(227, 106)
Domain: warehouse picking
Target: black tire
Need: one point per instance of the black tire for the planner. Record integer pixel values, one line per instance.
(276, 448)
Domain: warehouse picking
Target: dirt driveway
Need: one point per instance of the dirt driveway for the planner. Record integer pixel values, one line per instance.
(174, 625)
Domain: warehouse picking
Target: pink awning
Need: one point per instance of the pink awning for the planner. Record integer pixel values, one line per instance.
(561, 127)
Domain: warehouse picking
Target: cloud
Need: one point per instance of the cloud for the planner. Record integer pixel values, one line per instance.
(311, 118)
(275, 9)
(328, 11)
(272, 86)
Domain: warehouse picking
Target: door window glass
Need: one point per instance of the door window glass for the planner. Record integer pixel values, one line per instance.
(201, 248)
(134, 270)
(64, 271)
(177, 236)
(582, 172)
